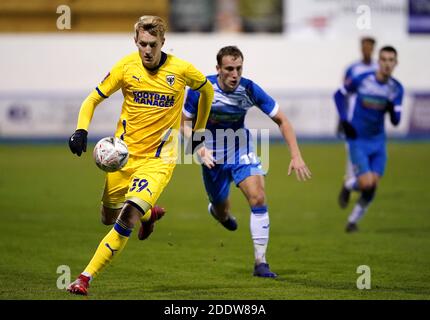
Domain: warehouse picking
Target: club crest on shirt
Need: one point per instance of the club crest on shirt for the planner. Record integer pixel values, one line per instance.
(170, 79)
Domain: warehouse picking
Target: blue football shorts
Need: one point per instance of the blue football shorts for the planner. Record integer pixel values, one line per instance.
(368, 156)
(217, 180)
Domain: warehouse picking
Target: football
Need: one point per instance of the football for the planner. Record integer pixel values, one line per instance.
(110, 154)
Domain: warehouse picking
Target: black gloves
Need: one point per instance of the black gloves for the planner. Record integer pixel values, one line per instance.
(390, 107)
(349, 130)
(195, 142)
(78, 142)
(340, 133)
(394, 116)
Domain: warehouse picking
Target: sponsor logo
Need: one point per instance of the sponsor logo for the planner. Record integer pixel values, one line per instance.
(154, 99)
(113, 250)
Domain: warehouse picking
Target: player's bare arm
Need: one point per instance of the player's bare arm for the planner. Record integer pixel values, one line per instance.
(297, 163)
(205, 154)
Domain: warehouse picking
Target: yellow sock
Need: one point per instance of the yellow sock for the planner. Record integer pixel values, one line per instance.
(146, 216)
(111, 245)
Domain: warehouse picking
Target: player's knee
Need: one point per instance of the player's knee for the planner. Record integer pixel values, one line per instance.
(129, 215)
(366, 184)
(257, 200)
(375, 180)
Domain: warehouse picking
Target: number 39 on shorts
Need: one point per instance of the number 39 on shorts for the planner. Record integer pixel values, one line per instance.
(139, 184)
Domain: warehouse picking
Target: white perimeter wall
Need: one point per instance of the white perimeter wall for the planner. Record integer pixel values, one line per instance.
(78, 62)
(299, 73)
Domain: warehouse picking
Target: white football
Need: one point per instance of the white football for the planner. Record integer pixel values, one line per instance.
(110, 154)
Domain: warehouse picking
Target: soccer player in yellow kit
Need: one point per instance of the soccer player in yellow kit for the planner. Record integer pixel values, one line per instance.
(153, 84)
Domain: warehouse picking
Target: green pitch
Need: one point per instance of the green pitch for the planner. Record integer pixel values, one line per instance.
(49, 212)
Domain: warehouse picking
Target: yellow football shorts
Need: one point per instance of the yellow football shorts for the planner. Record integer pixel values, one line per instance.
(142, 181)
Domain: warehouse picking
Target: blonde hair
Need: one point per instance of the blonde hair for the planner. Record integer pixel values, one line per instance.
(152, 24)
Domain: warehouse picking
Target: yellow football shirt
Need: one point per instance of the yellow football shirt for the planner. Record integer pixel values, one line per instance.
(153, 100)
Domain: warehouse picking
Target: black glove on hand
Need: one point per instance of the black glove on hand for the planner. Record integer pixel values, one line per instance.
(194, 143)
(340, 132)
(78, 142)
(349, 130)
(390, 107)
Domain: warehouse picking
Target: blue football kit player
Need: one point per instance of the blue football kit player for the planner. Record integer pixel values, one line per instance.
(365, 64)
(377, 93)
(227, 154)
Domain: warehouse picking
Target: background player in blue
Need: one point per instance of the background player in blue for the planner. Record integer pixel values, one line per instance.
(365, 64)
(377, 93)
(222, 164)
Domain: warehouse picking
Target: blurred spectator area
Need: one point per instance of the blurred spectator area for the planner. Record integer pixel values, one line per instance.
(86, 15)
(226, 15)
(119, 16)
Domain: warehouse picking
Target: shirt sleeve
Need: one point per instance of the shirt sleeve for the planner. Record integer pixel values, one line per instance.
(398, 99)
(194, 78)
(350, 85)
(396, 112)
(87, 110)
(348, 76)
(112, 82)
(191, 103)
(262, 100)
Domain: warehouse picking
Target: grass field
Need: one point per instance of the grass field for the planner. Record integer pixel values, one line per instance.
(49, 212)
